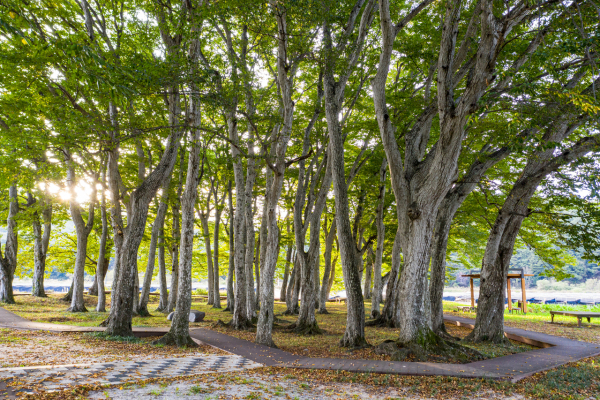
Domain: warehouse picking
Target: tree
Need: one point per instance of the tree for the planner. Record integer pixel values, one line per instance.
(8, 260)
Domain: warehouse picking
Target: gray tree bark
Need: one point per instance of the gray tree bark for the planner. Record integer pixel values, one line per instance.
(102, 265)
(325, 287)
(216, 273)
(8, 261)
(419, 191)
(368, 268)
(157, 228)
(83, 230)
(286, 272)
(176, 232)
(119, 323)
(489, 324)
(293, 290)
(230, 292)
(285, 76)
(377, 282)
(179, 333)
(240, 315)
(354, 336)
(203, 215)
(250, 236)
(40, 245)
(163, 301)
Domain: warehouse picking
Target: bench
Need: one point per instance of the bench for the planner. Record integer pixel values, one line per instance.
(466, 308)
(578, 314)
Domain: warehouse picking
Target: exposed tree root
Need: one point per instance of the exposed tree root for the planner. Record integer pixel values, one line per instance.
(375, 314)
(77, 309)
(306, 329)
(354, 343)
(143, 312)
(104, 323)
(243, 326)
(428, 347)
(323, 311)
(227, 309)
(280, 321)
(443, 333)
(291, 312)
(171, 339)
(381, 321)
(161, 310)
(497, 339)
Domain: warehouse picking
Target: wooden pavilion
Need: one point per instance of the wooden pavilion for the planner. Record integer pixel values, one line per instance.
(518, 273)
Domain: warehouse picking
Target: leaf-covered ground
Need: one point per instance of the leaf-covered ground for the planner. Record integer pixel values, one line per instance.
(30, 348)
(579, 380)
(52, 310)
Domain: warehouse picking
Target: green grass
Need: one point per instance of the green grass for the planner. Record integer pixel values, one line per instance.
(6, 337)
(123, 339)
(535, 312)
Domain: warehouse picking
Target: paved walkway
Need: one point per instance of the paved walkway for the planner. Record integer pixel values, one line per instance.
(554, 351)
(55, 378)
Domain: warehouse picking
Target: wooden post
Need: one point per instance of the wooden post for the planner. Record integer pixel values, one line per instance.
(509, 295)
(472, 293)
(523, 297)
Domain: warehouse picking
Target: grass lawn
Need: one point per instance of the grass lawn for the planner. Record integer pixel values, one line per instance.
(538, 319)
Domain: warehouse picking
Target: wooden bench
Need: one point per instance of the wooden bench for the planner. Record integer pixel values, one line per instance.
(466, 308)
(578, 314)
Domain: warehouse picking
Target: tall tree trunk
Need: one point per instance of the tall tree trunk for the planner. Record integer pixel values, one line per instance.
(325, 287)
(41, 243)
(121, 309)
(257, 266)
(102, 266)
(286, 272)
(69, 296)
(240, 315)
(176, 234)
(500, 245)
(83, 231)
(136, 291)
(230, 292)
(262, 238)
(8, 261)
(116, 217)
(377, 283)
(163, 301)
(354, 335)
(157, 227)
(331, 276)
(273, 193)
(174, 260)
(216, 273)
(293, 290)
(250, 236)
(179, 333)
(209, 259)
(368, 267)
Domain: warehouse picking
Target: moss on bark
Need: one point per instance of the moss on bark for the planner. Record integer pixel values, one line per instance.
(171, 339)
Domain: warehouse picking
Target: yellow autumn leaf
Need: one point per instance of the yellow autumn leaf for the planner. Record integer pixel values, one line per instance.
(24, 41)
(12, 14)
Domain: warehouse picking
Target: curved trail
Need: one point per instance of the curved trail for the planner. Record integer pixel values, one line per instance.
(554, 351)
